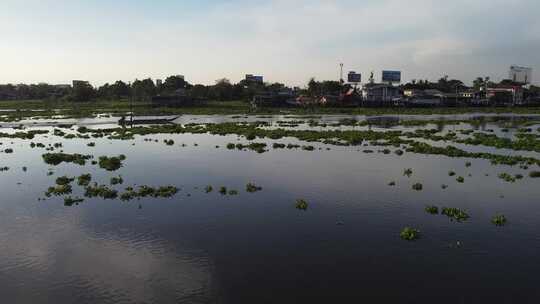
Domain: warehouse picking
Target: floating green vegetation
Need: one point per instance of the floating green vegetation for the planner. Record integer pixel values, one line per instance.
(257, 147)
(468, 164)
(23, 135)
(223, 190)
(301, 204)
(455, 214)
(432, 209)
(59, 190)
(8, 150)
(252, 188)
(169, 142)
(444, 186)
(91, 144)
(451, 173)
(84, 180)
(392, 183)
(58, 158)
(233, 192)
(499, 220)
(100, 191)
(278, 146)
(64, 180)
(399, 152)
(409, 234)
(408, 172)
(534, 174)
(308, 148)
(70, 201)
(24, 169)
(208, 189)
(147, 191)
(111, 163)
(508, 177)
(2, 169)
(460, 179)
(417, 187)
(116, 180)
(231, 146)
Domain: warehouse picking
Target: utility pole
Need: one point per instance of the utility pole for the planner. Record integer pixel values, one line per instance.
(341, 74)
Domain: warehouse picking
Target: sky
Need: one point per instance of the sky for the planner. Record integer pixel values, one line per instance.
(288, 41)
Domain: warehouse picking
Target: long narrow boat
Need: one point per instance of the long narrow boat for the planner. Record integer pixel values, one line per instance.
(146, 121)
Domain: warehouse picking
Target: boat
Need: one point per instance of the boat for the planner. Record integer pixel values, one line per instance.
(146, 121)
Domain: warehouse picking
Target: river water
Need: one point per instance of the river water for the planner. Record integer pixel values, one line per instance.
(199, 247)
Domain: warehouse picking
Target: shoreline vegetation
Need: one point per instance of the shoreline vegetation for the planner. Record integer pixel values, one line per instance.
(23, 109)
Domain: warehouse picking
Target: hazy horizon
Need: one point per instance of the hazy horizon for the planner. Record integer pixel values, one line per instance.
(285, 41)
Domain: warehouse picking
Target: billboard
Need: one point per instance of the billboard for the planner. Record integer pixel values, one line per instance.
(391, 76)
(253, 78)
(354, 77)
(520, 74)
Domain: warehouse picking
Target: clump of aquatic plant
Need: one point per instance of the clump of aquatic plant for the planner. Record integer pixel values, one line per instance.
(451, 173)
(409, 234)
(64, 180)
(58, 158)
(444, 186)
(399, 152)
(468, 164)
(499, 220)
(432, 209)
(59, 190)
(223, 190)
(460, 179)
(91, 144)
(455, 214)
(417, 187)
(252, 188)
(100, 191)
(407, 172)
(116, 180)
(84, 180)
(392, 183)
(233, 192)
(169, 142)
(8, 150)
(534, 174)
(301, 204)
(507, 177)
(208, 189)
(24, 169)
(231, 146)
(2, 169)
(111, 163)
(70, 201)
(278, 146)
(308, 148)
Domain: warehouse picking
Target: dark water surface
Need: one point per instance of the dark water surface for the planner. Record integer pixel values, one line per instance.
(202, 247)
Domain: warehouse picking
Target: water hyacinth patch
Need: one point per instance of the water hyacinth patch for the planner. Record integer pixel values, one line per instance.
(84, 179)
(432, 209)
(409, 234)
(417, 187)
(407, 172)
(58, 158)
(116, 180)
(252, 188)
(534, 174)
(460, 179)
(455, 214)
(64, 180)
(69, 201)
(499, 220)
(111, 163)
(208, 189)
(301, 204)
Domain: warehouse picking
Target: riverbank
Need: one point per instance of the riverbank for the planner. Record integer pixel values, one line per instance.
(15, 110)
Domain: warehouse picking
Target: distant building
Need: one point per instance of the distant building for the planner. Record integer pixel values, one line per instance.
(505, 95)
(253, 78)
(520, 74)
(381, 93)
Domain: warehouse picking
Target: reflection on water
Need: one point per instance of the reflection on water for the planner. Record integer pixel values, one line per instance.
(202, 247)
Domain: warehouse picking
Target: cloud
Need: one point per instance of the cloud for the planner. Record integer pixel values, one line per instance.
(287, 41)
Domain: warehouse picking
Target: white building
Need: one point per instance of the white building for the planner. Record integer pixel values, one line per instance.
(520, 74)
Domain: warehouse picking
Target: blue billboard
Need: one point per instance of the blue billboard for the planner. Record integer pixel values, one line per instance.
(354, 77)
(391, 76)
